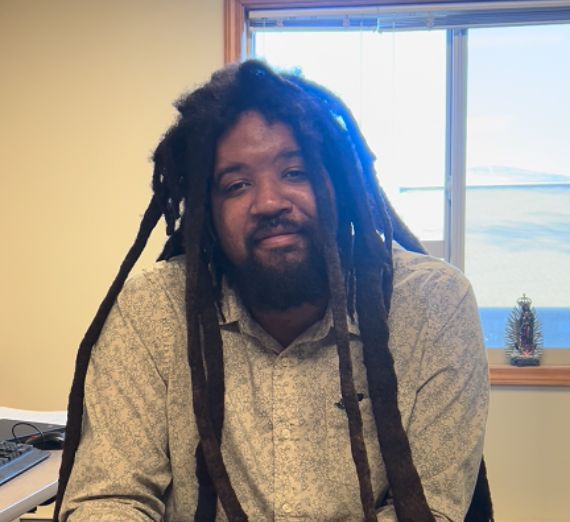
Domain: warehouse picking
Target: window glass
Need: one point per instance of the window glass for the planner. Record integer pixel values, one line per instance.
(518, 161)
(518, 176)
(394, 83)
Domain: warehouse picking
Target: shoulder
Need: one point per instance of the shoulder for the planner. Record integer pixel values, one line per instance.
(424, 274)
(155, 297)
(164, 280)
(149, 313)
(428, 287)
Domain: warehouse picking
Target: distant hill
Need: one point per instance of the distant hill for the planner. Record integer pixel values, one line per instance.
(499, 175)
(490, 176)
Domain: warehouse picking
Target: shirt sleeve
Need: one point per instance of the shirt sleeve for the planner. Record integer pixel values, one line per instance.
(121, 468)
(447, 425)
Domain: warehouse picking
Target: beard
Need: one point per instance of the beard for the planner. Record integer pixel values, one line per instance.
(279, 282)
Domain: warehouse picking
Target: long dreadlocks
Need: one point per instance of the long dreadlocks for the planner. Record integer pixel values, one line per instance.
(358, 227)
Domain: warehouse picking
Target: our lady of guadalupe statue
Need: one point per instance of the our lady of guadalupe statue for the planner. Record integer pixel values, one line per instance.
(523, 336)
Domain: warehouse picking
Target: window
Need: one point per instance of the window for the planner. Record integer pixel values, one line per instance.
(466, 108)
(518, 175)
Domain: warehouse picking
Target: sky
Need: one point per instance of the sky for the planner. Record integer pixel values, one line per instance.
(518, 93)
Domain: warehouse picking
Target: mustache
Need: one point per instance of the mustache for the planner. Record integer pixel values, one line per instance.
(271, 226)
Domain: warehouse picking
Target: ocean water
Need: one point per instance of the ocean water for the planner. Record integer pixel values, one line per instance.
(517, 241)
(555, 324)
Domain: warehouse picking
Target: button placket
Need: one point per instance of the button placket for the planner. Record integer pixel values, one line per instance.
(286, 450)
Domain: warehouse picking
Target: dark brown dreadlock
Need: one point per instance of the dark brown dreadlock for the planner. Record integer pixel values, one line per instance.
(358, 233)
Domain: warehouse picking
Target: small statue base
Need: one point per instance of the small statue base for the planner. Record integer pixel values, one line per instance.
(525, 361)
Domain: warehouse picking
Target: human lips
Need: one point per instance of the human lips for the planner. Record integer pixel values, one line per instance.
(279, 240)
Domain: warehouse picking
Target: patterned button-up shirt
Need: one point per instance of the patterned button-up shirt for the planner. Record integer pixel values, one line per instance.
(285, 438)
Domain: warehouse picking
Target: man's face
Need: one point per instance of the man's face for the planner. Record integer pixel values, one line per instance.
(262, 200)
(263, 206)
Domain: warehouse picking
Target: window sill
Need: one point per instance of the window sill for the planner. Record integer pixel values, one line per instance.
(505, 375)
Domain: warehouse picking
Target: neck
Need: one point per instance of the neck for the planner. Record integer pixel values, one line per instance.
(285, 326)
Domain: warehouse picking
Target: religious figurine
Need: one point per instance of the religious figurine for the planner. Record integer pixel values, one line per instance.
(523, 335)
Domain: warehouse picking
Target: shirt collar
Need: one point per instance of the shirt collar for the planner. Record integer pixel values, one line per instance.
(233, 311)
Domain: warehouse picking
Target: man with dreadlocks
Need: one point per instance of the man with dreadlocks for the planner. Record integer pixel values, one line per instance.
(285, 359)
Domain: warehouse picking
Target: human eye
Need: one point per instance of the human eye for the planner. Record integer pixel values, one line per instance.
(295, 174)
(234, 187)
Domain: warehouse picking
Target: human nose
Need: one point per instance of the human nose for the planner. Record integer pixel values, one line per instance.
(270, 199)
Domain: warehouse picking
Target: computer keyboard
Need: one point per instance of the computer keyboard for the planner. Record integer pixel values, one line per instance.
(15, 458)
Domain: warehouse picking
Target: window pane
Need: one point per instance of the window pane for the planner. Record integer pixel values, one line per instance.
(394, 84)
(518, 176)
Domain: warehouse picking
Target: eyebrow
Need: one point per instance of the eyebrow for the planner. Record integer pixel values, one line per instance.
(288, 154)
(236, 167)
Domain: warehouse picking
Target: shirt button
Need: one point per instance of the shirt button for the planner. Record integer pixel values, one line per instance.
(286, 508)
(285, 433)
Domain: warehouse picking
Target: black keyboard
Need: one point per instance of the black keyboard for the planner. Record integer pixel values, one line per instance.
(15, 458)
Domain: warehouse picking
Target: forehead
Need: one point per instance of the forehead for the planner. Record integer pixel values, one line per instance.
(252, 135)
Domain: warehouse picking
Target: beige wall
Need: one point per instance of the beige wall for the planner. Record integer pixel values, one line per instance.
(528, 455)
(85, 91)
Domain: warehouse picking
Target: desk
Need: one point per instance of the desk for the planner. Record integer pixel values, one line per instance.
(30, 489)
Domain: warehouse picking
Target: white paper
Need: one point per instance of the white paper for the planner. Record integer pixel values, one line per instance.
(47, 417)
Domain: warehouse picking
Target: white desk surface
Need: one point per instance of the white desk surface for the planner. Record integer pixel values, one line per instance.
(30, 489)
